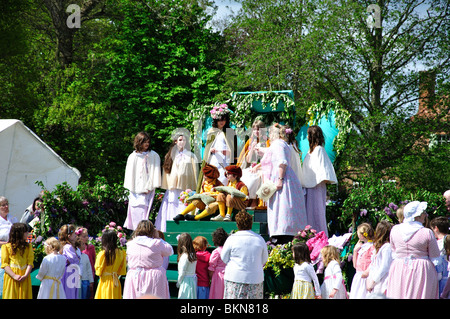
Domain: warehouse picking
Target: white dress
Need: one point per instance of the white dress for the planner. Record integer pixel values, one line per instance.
(333, 280)
(142, 177)
(379, 269)
(187, 278)
(252, 180)
(218, 159)
(50, 274)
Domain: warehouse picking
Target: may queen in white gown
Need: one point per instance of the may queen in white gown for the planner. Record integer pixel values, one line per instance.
(180, 171)
(142, 177)
(219, 149)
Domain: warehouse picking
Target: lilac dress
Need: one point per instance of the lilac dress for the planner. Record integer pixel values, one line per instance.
(286, 212)
(71, 277)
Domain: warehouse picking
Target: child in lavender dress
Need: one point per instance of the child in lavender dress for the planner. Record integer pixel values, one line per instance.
(71, 279)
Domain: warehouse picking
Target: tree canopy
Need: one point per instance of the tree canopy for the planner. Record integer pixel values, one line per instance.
(136, 65)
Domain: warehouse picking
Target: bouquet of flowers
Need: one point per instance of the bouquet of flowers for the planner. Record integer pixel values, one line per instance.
(219, 110)
(185, 195)
(280, 256)
(121, 237)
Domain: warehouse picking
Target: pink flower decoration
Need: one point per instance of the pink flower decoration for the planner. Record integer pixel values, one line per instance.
(316, 243)
(112, 224)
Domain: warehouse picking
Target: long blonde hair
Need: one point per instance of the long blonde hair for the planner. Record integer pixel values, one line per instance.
(329, 253)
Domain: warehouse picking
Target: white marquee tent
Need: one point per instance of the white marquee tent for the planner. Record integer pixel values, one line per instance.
(25, 159)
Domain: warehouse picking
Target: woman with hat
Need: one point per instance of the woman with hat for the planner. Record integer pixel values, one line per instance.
(234, 174)
(211, 175)
(412, 274)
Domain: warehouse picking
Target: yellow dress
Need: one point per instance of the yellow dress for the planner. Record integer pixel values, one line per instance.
(109, 286)
(13, 289)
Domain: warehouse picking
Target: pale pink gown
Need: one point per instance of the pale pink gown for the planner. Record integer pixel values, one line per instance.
(412, 274)
(146, 275)
(218, 267)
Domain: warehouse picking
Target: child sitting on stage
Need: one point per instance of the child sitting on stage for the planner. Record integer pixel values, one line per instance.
(234, 174)
(211, 175)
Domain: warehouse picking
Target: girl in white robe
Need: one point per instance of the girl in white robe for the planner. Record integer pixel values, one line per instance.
(142, 177)
(317, 172)
(51, 271)
(180, 171)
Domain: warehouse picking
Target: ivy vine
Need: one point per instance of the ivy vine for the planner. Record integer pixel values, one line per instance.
(342, 120)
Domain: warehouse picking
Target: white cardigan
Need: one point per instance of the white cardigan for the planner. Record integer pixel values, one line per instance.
(245, 254)
(317, 167)
(143, 172)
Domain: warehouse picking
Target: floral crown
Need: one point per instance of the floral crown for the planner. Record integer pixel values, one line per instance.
(218, 111)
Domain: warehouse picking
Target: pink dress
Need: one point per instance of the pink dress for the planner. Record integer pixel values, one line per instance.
(217, 265)
(358, 289)
(146, 274)
(412, 274)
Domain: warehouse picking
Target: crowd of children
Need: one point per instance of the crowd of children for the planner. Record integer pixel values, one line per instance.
(67, 271)
(405, 261)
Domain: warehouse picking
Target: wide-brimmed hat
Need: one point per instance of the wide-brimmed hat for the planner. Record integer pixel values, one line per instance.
(267, 189)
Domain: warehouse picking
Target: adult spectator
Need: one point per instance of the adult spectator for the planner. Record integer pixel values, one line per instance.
(447, 199)
(245, 254)
(412, 274)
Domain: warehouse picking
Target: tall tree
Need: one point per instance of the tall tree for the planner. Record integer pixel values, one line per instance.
(154, 58)
(67, 17)
(334, 49)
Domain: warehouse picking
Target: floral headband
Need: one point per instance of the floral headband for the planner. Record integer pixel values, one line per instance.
(79, 231)
(288, 131)
(218, 111)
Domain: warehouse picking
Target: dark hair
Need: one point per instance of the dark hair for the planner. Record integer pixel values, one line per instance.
(109, 244)
(139, 140)
(382, 233)
(225, 117)
(185, 245)
(37, 199)
(315, 137)
(441, 223)
(168, 158)
(301, 253)
(244, 221)
(219, 236)
(16, 238)
(290, 137)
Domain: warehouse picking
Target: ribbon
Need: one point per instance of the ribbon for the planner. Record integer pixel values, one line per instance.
(55, 280)
(115, 277)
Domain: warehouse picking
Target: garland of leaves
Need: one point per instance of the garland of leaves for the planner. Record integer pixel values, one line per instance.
(342, 120)
(243, 116)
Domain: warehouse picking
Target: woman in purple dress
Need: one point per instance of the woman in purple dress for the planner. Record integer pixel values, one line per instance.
(286, 212)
